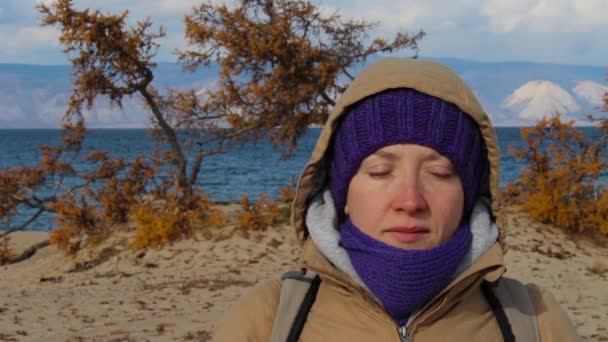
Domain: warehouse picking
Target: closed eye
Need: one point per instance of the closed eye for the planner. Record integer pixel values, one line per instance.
(379, 174)
(442, 172)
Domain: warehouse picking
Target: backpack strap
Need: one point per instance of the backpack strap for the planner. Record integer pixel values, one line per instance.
(513, 309)
(499, 313)
(298, 293)
(508, 298)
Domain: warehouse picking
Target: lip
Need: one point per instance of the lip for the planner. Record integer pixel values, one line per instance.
(407, 234)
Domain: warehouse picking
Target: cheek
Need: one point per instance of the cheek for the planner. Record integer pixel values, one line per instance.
(446, 207)
(365, 207)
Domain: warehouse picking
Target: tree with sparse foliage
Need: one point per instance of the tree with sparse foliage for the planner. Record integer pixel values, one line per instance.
(282, 64)
(114, 61)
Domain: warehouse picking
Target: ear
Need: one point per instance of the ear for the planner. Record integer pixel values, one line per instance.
(346, 210)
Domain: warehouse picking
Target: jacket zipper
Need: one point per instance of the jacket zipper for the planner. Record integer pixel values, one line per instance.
(404, 334)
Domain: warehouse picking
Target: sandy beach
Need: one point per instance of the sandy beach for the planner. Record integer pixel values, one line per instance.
(113, 293)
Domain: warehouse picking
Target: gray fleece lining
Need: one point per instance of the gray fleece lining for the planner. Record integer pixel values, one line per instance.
(322, 225)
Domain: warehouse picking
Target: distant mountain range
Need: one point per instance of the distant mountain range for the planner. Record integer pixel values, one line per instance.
(514, 93)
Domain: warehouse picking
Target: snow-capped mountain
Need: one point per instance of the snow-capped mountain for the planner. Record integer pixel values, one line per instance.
(536, 99)
(590, 91)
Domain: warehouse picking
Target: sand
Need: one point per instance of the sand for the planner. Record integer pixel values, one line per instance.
(113, 293)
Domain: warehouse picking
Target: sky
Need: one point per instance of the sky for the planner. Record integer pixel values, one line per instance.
(543, 31)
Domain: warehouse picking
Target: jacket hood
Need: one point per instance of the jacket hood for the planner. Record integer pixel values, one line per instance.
(425, 76)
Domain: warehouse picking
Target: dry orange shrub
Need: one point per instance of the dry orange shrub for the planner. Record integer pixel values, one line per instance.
(561, 184)
(259, 215)
(119, 195)
(89, 221)
(286, 196)
(166, 217)
(13, 182)
(288, 193)
(78, 225)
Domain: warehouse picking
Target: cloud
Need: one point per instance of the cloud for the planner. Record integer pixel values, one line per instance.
(492, 16)
(49, 109)
(410, 14)
(544, 31)
(593, 10)
(109, 114)
(179, 7)
(554, 31)
(46, 2)
(173, 9)
(505, 15)
(15, 10)
(546, 15)
(10, 113)
(27, 38)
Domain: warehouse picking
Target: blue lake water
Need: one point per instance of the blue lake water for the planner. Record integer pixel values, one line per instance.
(253, 168)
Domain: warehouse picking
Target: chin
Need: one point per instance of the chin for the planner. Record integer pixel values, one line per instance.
(416, 246)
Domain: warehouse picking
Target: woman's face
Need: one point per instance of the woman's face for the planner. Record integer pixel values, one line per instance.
(407, 196)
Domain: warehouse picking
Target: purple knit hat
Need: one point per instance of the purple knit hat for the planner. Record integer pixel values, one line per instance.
(403, 115)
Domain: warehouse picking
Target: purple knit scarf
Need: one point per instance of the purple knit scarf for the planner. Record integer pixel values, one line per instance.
(403, 280)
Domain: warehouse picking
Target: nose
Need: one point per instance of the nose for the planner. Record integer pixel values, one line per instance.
(408, 196)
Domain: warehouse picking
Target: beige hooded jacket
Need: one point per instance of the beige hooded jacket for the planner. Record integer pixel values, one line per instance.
(344, 310)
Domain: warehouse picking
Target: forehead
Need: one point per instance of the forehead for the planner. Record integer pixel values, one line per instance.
(407, 151)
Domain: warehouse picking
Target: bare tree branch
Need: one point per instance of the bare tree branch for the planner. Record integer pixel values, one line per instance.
(11, 230)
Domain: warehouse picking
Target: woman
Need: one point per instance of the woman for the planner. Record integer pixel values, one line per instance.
(399, 214)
